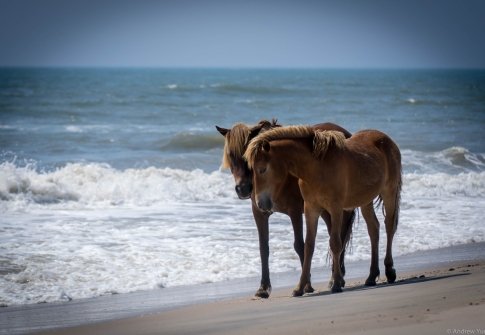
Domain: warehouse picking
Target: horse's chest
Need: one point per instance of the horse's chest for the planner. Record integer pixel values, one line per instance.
(320, 195)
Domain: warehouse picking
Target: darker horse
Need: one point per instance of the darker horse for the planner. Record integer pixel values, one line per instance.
(335, 174)
(287, 200)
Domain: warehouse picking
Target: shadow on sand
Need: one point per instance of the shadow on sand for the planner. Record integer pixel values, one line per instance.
(404, 281)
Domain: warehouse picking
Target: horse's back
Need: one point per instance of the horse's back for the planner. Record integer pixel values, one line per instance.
(377, 141)
(332, 126)
(376, 138)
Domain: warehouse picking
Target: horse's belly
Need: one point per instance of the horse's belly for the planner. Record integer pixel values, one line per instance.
(361, 197)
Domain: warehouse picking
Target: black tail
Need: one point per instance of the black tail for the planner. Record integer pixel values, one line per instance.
(349, 227)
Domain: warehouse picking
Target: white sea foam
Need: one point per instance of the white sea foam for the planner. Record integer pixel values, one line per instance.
(451, 160)
(88, 229)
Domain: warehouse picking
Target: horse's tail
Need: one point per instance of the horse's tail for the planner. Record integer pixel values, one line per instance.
(348, 220)
(397, 204)
(396, 159)
(396, 170)
(349, 224)
(395, 173)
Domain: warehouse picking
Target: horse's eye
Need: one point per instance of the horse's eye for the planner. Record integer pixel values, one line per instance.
(262, 170)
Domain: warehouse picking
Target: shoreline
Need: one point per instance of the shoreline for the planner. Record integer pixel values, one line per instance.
(171, 303)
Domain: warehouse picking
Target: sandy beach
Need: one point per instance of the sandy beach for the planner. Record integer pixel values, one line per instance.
(438, 292)
(444, 300)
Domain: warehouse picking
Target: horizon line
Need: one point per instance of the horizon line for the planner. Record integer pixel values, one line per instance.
(164, 67)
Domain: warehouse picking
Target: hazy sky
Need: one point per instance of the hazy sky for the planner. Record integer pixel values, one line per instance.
(245, 33)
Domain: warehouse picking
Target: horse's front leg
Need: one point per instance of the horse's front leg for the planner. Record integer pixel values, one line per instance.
(311, 218)
(261, 219)
(326, 218)
(346, 233)
(299, 244)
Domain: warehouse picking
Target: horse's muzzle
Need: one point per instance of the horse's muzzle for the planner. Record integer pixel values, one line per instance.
(244, 191)
(264, 203)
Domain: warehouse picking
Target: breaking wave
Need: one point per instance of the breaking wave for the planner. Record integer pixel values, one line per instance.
(100, 185)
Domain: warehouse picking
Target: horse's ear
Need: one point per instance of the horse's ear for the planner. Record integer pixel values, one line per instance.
(223, 131)
(275, 123)
(254, 132)
(262, 125)
(265, 146)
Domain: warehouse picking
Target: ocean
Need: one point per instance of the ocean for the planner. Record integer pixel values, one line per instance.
(110, 179)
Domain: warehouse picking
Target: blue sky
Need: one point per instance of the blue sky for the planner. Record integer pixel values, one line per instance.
(217, 33)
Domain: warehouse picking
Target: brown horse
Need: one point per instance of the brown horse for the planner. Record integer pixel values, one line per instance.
(335, 174)
(287, 198)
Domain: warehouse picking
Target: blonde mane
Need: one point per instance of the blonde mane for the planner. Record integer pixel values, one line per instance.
(237, 139)
(235, 142)
(323, 140)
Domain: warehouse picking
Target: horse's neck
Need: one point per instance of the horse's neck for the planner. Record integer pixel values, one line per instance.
(298, 157)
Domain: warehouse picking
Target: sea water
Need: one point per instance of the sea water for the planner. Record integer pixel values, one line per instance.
(110, 179)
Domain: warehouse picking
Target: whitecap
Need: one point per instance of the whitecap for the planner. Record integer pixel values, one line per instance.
(73, 129)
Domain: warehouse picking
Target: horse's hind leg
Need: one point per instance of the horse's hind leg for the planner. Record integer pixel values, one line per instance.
(261, 219)
(299, 244)
(391, 207)
(373, 230)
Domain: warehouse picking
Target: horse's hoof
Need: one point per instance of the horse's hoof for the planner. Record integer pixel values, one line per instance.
(263, 292)
(308, 288)
(373, 277)
(391, 275)
(330, 283)
(297, 293)
(370, 282)
(336, 289)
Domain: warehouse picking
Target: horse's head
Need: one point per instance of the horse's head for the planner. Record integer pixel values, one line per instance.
(236, 141)
(269, 175)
